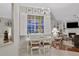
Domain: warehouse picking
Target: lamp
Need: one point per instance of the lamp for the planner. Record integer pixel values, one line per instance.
(55, 32)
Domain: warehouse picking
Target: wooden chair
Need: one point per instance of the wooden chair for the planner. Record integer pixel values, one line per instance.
(67, 44)
(58, 43)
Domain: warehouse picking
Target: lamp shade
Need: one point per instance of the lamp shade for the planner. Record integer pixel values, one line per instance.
(55, 30)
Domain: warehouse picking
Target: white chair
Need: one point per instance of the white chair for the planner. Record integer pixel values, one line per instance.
(46, 45)
(35, 45)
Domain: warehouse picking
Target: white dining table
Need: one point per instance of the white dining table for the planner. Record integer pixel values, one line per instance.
(39, 39)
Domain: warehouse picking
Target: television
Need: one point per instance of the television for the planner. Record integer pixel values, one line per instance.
(72, 25)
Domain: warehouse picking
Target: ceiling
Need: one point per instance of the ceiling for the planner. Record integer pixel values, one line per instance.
(61, 11)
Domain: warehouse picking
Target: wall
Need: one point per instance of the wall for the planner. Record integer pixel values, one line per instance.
(74, 30)
(12, 49)
(5, 10)
(3, 25)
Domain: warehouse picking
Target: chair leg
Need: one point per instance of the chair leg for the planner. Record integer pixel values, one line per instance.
(31, 52)
(39, 52)
(44, 51)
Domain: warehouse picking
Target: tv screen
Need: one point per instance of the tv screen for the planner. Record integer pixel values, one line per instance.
(72, 25)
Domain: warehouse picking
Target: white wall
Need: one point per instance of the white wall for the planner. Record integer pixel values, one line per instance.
(3, 25)
(5, 14)
(12, 49)
(73, 30)
(5, 10)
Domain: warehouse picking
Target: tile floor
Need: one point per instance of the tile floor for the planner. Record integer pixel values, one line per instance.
(49, 52)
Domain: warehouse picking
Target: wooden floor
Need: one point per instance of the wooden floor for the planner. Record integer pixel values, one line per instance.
(68, 49)
(74, 49)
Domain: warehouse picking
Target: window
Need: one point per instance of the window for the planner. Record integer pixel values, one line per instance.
(35, 24)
